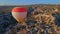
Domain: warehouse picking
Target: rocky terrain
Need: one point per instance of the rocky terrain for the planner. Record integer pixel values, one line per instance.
(41, 19)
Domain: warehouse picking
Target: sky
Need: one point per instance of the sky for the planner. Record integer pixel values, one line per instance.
(28, 2)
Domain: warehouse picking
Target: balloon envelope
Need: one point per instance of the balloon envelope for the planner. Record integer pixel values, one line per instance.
(19, 13)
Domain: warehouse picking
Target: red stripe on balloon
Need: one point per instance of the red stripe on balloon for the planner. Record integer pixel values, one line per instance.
(19, 9)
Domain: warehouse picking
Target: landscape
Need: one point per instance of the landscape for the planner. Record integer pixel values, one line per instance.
(41, 19)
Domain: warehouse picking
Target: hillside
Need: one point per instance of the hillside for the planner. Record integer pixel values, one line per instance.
(41, 19)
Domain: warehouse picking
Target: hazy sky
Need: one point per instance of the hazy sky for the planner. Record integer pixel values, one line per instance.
(28, 2)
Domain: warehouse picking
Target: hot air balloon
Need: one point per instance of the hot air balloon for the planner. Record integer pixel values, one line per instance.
(19, 13)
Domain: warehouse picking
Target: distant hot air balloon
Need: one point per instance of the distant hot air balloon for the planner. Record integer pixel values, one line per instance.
(19, 13)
